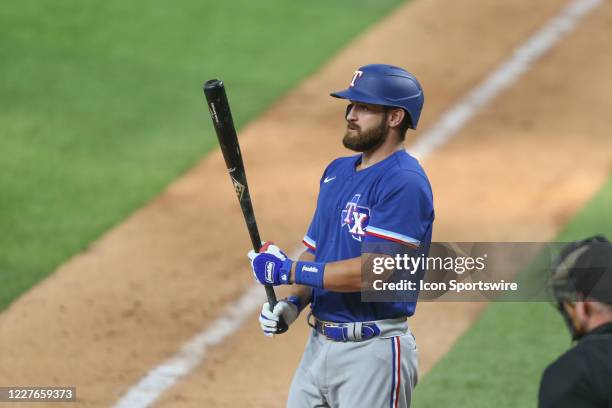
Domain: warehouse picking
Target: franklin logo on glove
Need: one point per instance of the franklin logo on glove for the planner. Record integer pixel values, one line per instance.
(270, 272)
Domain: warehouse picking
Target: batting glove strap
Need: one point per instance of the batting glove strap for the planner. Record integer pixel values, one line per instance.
(310, 273)
(284, 274)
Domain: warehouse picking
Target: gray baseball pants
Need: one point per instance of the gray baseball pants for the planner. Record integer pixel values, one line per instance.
(379, 372)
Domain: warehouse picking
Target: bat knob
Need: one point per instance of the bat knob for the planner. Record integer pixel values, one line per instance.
(281, 327)
(215, 92)
(213, 84)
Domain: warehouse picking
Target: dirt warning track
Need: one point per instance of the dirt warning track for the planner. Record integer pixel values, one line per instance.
(518, 171)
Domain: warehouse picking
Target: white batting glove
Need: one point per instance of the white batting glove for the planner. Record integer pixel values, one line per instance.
(268, 319)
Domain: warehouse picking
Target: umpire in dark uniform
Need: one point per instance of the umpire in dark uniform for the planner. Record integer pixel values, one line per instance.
(582, 286)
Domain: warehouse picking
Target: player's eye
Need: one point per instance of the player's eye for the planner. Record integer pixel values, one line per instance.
(360, 107)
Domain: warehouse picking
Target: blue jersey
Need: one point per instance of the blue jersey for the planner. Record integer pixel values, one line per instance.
(390, 201)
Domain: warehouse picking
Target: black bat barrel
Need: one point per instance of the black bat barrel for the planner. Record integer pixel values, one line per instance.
(221, 115)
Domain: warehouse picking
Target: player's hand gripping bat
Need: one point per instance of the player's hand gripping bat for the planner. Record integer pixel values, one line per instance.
(228, 140)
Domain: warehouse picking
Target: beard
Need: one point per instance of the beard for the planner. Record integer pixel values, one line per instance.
(363, 141)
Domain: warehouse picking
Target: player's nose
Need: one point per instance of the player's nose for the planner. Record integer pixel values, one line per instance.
(350, 113)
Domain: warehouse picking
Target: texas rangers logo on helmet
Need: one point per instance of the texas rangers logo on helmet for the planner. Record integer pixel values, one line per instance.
(356, 76)
(356, 218)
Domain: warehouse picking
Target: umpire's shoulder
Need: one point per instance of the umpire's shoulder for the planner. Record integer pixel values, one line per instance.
(565, 379)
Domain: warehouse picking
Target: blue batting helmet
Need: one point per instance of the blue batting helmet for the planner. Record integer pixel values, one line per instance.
(381, 84)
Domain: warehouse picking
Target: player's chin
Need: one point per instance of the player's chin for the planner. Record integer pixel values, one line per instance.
(351, 133)
(352, 143)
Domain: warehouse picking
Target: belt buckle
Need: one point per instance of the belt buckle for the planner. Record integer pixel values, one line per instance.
(325, 325)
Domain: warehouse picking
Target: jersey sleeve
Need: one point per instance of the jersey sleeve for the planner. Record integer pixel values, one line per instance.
(403, 210)
(310, 239)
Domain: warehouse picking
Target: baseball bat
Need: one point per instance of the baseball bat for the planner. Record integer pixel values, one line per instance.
(221, 115)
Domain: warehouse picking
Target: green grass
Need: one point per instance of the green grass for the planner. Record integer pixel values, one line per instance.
(499, 361)
(102, 104)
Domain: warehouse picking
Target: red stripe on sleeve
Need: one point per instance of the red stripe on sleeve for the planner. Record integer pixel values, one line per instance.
(308, 245)
(392, 239)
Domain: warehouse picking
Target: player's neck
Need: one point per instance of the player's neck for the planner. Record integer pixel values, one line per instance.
(379, 154)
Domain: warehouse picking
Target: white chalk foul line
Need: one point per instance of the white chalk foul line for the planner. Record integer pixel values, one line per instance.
(168, 373)
(507, 73)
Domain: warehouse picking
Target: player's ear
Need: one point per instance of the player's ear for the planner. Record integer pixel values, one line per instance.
(591, 308)
(396, 116)
(573, 313)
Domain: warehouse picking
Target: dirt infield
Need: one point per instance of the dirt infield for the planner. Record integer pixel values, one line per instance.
(517, 172)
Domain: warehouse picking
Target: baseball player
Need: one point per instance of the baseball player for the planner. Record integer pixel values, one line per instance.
(359, 354)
